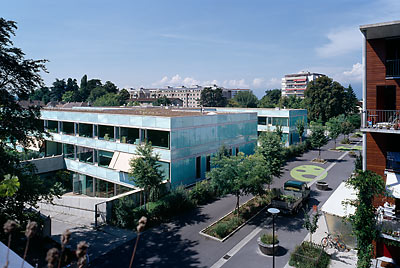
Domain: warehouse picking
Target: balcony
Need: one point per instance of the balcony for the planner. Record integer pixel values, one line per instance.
(393, 68)
(387, 121)
(388, 222)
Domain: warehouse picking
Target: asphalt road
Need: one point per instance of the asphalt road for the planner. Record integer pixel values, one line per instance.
(179, 244)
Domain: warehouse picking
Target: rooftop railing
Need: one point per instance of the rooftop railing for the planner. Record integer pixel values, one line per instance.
(383, 119)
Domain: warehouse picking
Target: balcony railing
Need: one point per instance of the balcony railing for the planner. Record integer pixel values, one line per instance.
(393, 68)
(383, 119)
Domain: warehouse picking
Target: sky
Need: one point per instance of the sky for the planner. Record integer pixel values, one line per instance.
(231, 43)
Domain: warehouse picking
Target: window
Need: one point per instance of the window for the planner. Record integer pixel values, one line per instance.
(85, 130)
(53, 148)
(262, 120)
(105, 158)
(208, 163)
(52, 126)
(198, 167)
(281, 121)
(85, 154)
(158, 138)
(237, 151)
(122, 189)
(69, 151)
(68, 128)
(129, 135)
(106, 132)
(104, 188)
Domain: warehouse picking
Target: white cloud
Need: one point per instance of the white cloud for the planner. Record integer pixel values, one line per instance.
(274, 83)
(341, 41)
(176, 80)
(353, 76)
(235, 83)
(258, 82)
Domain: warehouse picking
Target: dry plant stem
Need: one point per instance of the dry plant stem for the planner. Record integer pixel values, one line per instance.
(25, 252)
(8, 250)
(61, 255)
(134, 250)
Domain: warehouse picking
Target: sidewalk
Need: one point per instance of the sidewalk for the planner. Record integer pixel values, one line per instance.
(101, 241)
(346, 259)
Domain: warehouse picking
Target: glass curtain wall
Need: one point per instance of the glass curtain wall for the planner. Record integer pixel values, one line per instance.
(106, 132)
(68, 128)
(85, 154)
(158, 138)
(105, 158)
(86, 130)
(52, 126)
(129, 135)
(69, 151)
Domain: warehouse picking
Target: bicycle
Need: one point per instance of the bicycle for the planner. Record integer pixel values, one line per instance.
(333, 242)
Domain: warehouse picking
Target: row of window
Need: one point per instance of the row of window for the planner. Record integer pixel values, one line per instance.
(273, 121)
(87, 185)
(158, 138)
(231, 151)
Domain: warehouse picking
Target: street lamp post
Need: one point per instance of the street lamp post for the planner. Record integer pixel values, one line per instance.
(273, 211)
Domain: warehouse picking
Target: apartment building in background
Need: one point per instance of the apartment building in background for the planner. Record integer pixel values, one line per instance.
(381, 125)
(296, 84)
(190, 96)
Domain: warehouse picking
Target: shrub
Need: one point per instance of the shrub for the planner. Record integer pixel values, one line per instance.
(309, 255)
(126, 213)
(345, 141)
(224, 228)
(296, 149)
(202, 193)
(267, 239)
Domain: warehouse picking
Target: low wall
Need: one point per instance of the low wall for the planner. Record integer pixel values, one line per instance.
(48, 164)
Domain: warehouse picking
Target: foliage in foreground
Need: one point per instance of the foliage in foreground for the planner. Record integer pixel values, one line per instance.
(367, 185)
(309, 255)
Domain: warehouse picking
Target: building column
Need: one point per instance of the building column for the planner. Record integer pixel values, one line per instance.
(364, 106)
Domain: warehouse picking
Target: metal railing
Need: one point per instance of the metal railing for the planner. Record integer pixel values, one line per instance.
(388, 119)
(393, 68)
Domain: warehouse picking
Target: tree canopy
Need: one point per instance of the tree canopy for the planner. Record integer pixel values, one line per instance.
(271, 149)
(18, 79)
(317, 137)
(145, 170)
(270, 99)
(212, 98)
(246, 99)
(325, 98)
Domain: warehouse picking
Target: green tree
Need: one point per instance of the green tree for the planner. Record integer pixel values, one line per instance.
(291, 102)
(68, 96)
(123, 96)
(367, 185)
(18, 78)
(271, 149)
(347, 127)
(324, 99)
(300, 128)
(270, 99)
(164, 101)
(311, 222)
(58, 89)
(84, 92)
(146, 170)
(238, 175)
(246, 99)
(109, 99)
(317, 137)
(334, 127)
(110, 87)
(96, 93)
(9, 186)
(71, 85)
(41, 94)
(212, 98)
(350, 101)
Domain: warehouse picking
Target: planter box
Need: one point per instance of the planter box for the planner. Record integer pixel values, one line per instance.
(267, 249)
(323, 186)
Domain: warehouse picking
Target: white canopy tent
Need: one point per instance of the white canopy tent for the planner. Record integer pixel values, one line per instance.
(334, 211)
(393, 184)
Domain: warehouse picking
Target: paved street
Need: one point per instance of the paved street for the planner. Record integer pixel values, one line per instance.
(179, 244)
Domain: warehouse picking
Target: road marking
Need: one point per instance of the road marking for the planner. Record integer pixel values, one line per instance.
(239, 246)
(330, 166)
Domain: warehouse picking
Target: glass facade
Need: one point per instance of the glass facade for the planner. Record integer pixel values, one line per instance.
(52, 126)
(106, 132)
(280, 121)
(85, 154)
(85, 130)
(53, 148)
(68, 128)
(129, 135)
(105, 158)
(69, 151)
(87, 185)
(158, 138)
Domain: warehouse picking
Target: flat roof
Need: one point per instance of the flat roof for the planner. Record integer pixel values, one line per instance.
(381, 30)
(147, 111)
